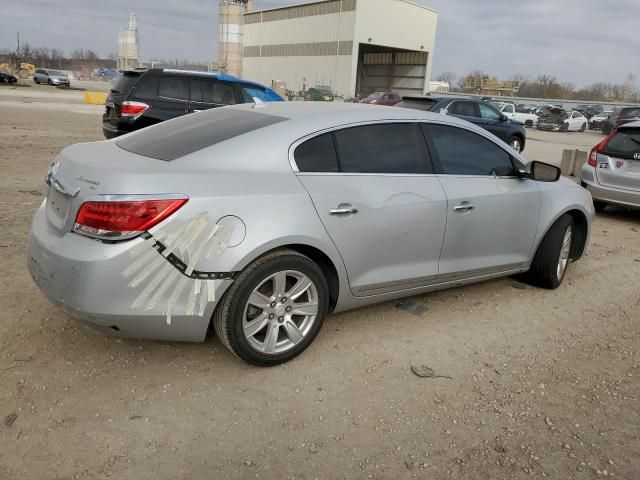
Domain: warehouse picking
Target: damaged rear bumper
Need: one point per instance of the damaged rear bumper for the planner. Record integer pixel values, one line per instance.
(85, 278)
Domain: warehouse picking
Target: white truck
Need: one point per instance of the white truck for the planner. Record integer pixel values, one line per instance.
(509, 110)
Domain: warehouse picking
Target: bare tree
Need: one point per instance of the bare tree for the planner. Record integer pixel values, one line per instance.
(449, 77)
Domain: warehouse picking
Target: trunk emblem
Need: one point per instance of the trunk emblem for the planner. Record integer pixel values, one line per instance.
(80, 178)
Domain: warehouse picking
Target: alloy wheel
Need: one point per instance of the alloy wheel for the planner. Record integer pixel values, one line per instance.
(564, 253)
(280, 312)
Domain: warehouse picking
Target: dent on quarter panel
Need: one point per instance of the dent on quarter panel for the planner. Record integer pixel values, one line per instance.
(159, 276)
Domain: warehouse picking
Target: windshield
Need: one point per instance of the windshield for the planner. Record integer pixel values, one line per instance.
(55, 72)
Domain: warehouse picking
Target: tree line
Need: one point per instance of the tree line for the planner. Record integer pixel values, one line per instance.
(46, 57)
(548, 86)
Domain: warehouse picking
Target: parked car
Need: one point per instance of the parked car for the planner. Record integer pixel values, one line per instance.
(620, 116)
(476, 111)
(589, 110)
(50, 77)
(141, 98)
(319, 94)
(612, 172)
(261, 221)
(509, 109)
(597, 121)
(557, 119)
(383, 98)
(8, 79)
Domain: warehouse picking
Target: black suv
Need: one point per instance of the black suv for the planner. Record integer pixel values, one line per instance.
(477, 111)
(145, 97)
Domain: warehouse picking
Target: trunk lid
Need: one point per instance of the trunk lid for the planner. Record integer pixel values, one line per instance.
(88, 169)
(618, 164)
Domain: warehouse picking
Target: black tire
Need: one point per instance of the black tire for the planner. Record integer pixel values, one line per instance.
(564, 127)
(528, 123)
(584, 127)
(36, 81)
(599, 206)
(49, 82)
(227, 319)
(543, 272)
(515, 138)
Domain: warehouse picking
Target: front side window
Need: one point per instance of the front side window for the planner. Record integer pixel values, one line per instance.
(317, 155)
(382, 148)
(489, 113)
(461, 152)
(465, 109)
(174, 88)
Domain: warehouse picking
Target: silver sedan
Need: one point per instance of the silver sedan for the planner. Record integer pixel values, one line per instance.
(260, 220)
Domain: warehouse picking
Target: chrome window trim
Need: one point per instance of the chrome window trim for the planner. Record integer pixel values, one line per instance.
(483, 133)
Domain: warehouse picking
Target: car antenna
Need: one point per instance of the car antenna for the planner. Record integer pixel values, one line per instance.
(257, 103)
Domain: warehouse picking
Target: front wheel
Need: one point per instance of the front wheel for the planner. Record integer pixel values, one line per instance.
(49, 82)
(36, 81)
(515, 142)
(584, 127)
(274, 309)
(599, 206)
(550, 263)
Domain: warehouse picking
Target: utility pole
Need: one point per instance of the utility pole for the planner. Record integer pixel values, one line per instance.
(18, 48)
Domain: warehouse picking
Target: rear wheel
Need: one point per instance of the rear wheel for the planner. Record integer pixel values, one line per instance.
(274, 309)
(550, 263)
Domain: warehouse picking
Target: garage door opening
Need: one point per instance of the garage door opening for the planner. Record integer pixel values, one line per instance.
(386, 69)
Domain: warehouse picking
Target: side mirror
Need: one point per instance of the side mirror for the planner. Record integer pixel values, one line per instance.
(543, 172)
(503, 117)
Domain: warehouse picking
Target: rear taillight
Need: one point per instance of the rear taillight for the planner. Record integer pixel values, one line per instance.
(121, 219)
(593, 156)
(130, 108)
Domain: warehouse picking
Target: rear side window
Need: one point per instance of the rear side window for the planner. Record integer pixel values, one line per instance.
(383, 148)
(317, 155)
(212, 92)
(173, 87)
(125, 83)
(461, 152)
(625, 143)
(466, 109)
(630, 112)
(146, 87)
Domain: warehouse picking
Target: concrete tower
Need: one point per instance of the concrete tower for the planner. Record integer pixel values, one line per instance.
(230, 35)
(128, 45)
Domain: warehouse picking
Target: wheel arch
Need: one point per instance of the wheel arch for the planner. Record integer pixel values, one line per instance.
(580, 236)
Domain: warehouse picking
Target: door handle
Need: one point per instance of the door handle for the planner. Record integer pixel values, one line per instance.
(465, 207)
(343, 210)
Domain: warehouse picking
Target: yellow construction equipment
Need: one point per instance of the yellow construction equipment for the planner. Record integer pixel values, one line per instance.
(18, 68)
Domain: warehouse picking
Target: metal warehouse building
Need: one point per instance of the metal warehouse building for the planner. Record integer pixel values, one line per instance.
(354, 46)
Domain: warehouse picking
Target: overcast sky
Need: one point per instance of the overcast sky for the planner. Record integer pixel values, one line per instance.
(581, 41)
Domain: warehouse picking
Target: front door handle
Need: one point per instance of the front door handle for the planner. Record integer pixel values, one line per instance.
(343, 209)
(464, 207)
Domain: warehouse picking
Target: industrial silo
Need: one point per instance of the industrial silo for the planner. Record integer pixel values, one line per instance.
(230, 35)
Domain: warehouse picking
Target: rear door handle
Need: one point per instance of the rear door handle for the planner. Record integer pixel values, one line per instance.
(343, 209)
(465, 207)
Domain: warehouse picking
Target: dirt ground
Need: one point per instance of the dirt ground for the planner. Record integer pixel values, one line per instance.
(542, 383)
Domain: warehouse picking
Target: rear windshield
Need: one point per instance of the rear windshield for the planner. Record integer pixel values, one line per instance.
(630, 112)
(124, 84)
(417, 104)
(625, 143)
(171, 140)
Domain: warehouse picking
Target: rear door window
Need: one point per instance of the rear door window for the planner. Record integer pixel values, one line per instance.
(212, 92)
(384, 148)
(625, 143)
(175, 88)
(465, 109)
(125, 83)
(461, 152)
(317, 155)
(146, 87)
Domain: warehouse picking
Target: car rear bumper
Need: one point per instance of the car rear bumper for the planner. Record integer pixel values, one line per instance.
(84, 277)
(614, 196)
(111, 131)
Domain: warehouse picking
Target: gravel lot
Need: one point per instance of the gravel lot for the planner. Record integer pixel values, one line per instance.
(543, 383)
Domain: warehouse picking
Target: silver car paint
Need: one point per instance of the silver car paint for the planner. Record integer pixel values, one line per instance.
(256, 184)
(614, 180)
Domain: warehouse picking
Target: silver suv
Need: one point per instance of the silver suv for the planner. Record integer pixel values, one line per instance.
(51, 77)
